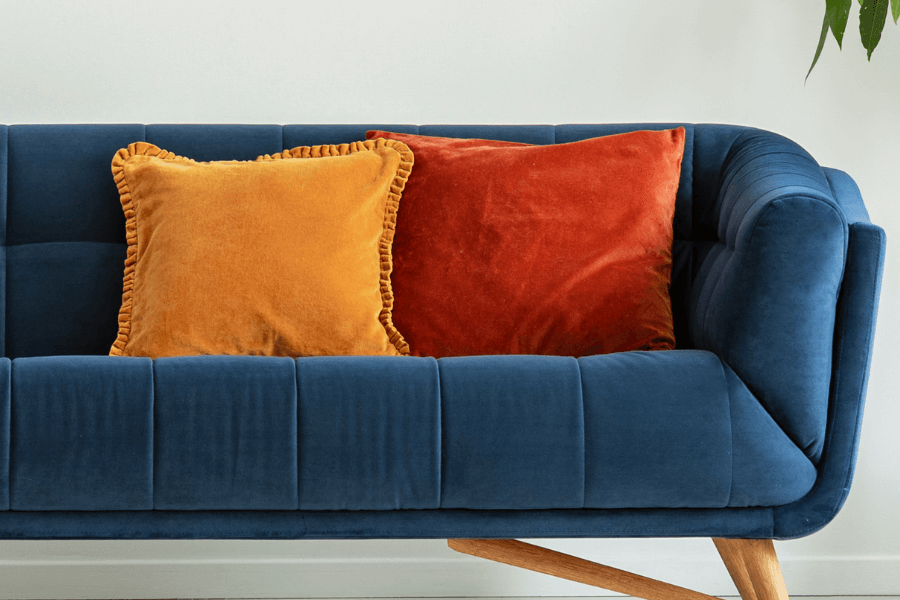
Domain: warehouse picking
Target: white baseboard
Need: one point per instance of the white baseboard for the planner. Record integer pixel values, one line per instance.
(397, 578)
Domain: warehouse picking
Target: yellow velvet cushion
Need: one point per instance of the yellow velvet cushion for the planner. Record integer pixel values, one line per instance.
(289, 255)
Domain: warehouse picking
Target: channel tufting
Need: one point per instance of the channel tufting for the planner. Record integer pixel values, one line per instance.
(391, 433)
(65, 231)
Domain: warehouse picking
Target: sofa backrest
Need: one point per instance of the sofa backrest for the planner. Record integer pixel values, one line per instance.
(62, 240)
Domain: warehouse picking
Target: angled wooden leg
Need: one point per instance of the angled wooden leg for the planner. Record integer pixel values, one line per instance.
(754, 568)
(550, 562)
(734, 561)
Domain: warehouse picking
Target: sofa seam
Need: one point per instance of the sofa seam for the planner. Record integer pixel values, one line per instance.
(9, 455)
(709, 304)
(583, 436)
(5, 261)
(23, 244)
(296, 368)
(153, 438)
(692, 196)
(730, 430)
(379, 535)
(440, 433)
(443, 437)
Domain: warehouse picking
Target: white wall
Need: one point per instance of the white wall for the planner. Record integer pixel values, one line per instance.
(741, 61)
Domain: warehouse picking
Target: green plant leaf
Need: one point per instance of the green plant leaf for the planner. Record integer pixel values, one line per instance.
(822, 38)
(872, 17)
(895, 10)
(837, 12)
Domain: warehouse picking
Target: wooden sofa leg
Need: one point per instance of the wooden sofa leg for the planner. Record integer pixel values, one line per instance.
(753, 567)
(550, 562)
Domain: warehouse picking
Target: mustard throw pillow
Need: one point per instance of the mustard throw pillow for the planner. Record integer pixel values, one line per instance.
(289, 255)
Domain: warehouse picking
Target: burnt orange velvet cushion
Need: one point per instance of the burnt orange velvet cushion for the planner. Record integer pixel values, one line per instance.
(508, 248)
(289, 255)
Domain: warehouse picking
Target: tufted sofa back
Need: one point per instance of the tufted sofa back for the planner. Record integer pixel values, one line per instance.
(63, 240)
(63, 234)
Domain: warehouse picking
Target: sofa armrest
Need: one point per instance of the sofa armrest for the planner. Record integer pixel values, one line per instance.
(764, 294)
(854, 337)
(846, 194)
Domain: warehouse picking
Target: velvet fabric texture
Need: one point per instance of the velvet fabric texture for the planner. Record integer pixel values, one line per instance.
(81, 433)
(286, 256)
(765, 294)
(195, 433)
(513, 249)
(767, 278)
(225, 433)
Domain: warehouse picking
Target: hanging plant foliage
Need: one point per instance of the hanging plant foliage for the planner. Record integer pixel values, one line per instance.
(872, 17)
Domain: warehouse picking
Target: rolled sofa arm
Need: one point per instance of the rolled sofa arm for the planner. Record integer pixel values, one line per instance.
(764, 294)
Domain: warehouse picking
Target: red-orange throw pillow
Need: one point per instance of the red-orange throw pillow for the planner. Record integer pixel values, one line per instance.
(506, 248)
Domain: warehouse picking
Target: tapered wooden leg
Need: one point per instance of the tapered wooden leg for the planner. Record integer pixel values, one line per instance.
(734, 561)
(754, 568)
(550, 562)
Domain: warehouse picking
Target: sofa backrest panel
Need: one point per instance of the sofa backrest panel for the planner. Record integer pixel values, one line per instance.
(64, 237)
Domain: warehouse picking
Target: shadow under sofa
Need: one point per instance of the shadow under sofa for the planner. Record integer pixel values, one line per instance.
(748, 430)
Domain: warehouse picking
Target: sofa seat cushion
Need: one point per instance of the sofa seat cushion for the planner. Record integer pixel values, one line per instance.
(664, 429)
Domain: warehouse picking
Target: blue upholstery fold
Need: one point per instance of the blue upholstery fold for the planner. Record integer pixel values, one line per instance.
(216, 142)
(5, 370)
(226, 433)
(60, 186)
(81, 433)
(64, 296)
(369, 433)
(657, 430)
(513, 432)
(768, 469)
(315, 135)
(3, 294)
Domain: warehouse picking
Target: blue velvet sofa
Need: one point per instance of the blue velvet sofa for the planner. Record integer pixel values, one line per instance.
(748, 430)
